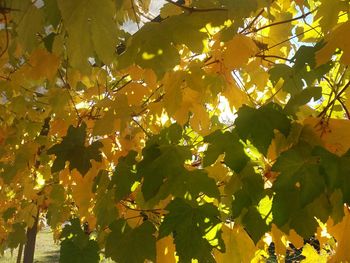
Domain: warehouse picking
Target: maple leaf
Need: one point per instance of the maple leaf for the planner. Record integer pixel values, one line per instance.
(73, 149)
(189, 224)
(125, 244)
(258, 125)
(239, 246)
(76, 245)
(229, 144)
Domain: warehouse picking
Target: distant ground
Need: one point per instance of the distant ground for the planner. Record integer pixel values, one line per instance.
(46, 251)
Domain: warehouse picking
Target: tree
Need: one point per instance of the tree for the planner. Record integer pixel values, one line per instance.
(218, 131)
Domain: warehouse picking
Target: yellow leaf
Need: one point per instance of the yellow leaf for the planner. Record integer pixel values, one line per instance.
(170, 10)
(27, 214)
(165, 250)
(105, 125)
(43, 64)
(278, 238)
(312, 256)
(238, 51)
(82, 190)
(200, 120)
(341, 232)
(235, 96)
(239, 246)
(135, 92)
(173, 94)
(338, 38)
(295, 239)
(218, 171)
(190, 97)
(335, 135)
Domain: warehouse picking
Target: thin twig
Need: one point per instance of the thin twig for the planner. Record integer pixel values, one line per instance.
(344, 108)
(143, 129)
(194, 9)
(7, 36)
(274, 56)
(281, 22)
(252, 22)
(335, 99)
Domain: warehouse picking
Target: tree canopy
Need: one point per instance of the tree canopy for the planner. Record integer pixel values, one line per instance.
(164, 131)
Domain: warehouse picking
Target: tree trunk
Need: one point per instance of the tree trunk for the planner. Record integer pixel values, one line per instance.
(20, 253)
(31, 239)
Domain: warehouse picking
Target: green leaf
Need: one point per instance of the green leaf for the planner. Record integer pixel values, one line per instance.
(258, 125)
(90, 23)
(292, 81)
(189, 223)
(76, 245)
(227, 143)
(105, 209)
(160, 162)
(153, 47)
(254, 224)
(124, 175)
(302, 98)
(17, 235)
(8, 213)
(125, 244)
(250, 192)
(33, 16)
(299, 171)
(73, 149)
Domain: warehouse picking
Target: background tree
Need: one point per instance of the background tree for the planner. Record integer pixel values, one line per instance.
(216, 131)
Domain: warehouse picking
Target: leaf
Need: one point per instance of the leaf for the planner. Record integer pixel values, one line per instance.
(72, 149)
(125, 244)
(239, 246)
(311, 255)
(302, 98)
(328, 13)
(229, 144)
(105, 209)
(335, 39)
(160, 162)
(105, 125)
(125, 175)
(76, 245)
(340, 233)
(238, 51)
(300, 173)
(189, 224)
(43, 64)
(17, 235)
(258, 125)
(91, 24)
(166, 250)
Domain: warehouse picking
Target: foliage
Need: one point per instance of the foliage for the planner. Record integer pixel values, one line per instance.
(216, 131)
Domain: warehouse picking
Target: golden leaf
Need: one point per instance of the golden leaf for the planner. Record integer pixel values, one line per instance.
(335, 134)
(278, 239)
(240, 247)
(165, 250)
(295, 239)
(341, 232)
(238, 51)
(312, 256)
(338, 38)
(43, 64)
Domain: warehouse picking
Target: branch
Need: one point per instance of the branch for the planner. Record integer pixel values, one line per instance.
(254, 30)
(194, 9)
(273, 56)
(7, 35)
(335, 99)
(252, 22)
